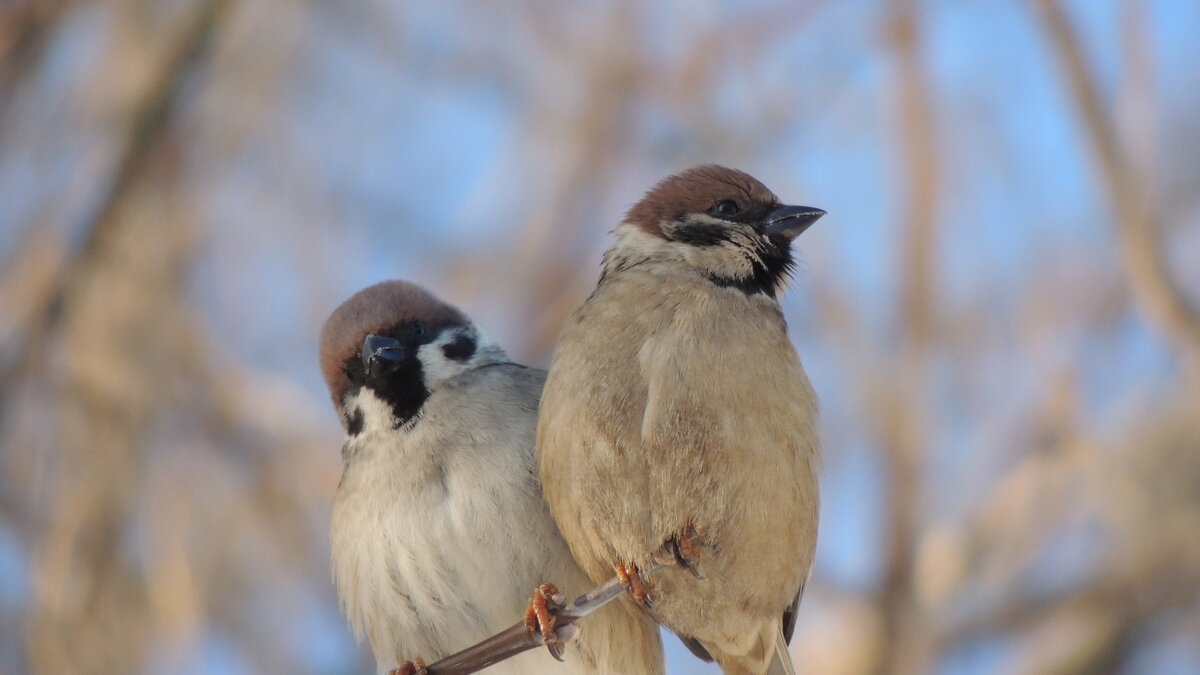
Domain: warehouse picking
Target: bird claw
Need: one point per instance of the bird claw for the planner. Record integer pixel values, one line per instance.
(631, 578)
(683, 549)
(540, 618)
(686, 545)
(414, 667)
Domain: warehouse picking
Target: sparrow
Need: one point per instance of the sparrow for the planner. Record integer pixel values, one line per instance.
(439, 530)
(677, 423)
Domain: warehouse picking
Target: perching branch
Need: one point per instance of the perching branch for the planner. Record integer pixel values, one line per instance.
(517, 638)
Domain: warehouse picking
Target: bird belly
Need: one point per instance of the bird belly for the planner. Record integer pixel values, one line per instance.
(418, 573)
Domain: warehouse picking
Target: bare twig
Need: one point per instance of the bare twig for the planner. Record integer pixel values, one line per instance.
(517, 638)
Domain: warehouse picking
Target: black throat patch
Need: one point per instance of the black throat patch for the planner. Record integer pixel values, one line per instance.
(402, 388)
(770, 263)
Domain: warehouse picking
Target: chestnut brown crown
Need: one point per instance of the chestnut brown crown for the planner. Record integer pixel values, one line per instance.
(376, 309)
(699, 190)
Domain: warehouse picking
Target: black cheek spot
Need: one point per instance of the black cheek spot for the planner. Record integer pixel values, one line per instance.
(461, 349)
(700, 234)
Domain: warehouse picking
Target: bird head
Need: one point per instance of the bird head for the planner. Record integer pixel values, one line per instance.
(722, 223)
(387, 348)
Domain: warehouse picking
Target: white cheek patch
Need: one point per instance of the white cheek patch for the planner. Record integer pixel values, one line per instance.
(486, 351)
(734, 257)
(445, 357)
(705, 219)
(377, 415)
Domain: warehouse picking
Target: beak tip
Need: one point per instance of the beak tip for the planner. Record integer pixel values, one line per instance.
(791, 221)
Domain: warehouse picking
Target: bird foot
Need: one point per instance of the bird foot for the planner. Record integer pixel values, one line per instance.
(631, 578)
(540, 617)
(683, 549)
(414, 667)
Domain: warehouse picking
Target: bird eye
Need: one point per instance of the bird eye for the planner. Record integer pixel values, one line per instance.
(726, 208)
(418, 327)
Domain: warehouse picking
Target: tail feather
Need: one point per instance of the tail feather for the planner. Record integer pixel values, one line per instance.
(768, 655)
(781, 661)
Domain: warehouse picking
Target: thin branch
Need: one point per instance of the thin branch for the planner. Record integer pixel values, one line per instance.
(517, 638)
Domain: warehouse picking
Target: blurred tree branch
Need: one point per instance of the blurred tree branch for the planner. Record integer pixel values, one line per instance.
(148, 123)
(25, 27)
(903, 433)
(110, 310)
(1162, 302)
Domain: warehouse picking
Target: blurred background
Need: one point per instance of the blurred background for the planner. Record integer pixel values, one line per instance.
(1000, 311)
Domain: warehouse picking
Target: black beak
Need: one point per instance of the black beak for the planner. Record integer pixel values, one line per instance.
(790, 221)
(377, 348)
